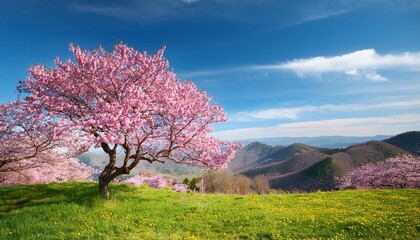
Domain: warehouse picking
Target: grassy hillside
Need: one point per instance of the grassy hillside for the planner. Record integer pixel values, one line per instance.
(74, 211)
(361, 154)
(318, 176)
(409, 141)
(295, 163)
(287, 152)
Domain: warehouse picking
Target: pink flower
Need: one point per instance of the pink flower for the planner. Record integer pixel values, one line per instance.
(397, 172)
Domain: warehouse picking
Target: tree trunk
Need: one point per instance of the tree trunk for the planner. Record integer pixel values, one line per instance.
(109, 174)
(103, 187)
(105, 178)
(111, 171)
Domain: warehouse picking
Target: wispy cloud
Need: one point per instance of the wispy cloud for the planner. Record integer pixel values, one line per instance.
(368, 126)
(364, 63)
(273, 113)
(322, 14)
(189, 1)
(293, 113)
(305, 15)
(266, 13)
(137, 11)
(116, 12)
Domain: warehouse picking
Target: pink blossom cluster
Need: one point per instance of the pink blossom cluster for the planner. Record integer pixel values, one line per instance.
(180, 187)
(131, 99)
(59, 170)
(397, 172)
(32, 152)
(155, 181)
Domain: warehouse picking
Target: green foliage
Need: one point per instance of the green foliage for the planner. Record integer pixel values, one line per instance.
(323, 170)
(193, 183)
(331, 151)
(75, 211)
(186, 181)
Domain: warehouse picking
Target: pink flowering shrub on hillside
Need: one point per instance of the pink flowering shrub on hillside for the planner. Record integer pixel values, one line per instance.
(156, 181)
(61, 170)
(180, 187)
(397, 172)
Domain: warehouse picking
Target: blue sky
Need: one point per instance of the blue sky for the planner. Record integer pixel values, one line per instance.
(279, 68)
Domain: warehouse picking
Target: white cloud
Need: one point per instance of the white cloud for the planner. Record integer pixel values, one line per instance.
(293, 113)
(375, 77)
(353, 72)
(273, 113)
(369, 126)
(189, 1)
(317, 14)
(143, 12)
(364, 63)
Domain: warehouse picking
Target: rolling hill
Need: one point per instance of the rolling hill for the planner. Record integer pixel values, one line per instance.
(361, 154)
(302, 167)
(290, 159)
(322, 141)
(317, 176)
(251, 155)
(409, 141)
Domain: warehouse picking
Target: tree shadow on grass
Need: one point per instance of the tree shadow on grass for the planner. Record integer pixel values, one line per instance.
(81, 193)
(21, 196)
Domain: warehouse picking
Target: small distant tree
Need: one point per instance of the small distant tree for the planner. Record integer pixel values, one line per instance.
(186, 181)
(209, 181)
(397, 172)
(261, 184)
(241, 184)
(192, 184)
(224, 182)
(129, 100)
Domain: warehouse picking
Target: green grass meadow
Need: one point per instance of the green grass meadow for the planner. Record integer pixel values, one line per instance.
(76, 211)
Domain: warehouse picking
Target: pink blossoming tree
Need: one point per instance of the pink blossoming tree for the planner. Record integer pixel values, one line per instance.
(180, 187)
(31, 152)
(397, 172)
(155, 181)
(124, 99)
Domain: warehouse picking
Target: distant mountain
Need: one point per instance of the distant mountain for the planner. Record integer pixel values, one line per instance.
(289, 159)
(303, 167)
(251, 155)
(409, 141)
(287, 152)
(94, 159)
(323, 141)
(361, 154)
(99, 160)
(318, 176)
